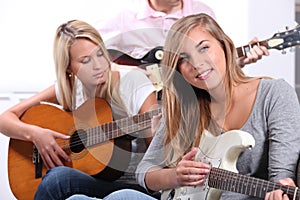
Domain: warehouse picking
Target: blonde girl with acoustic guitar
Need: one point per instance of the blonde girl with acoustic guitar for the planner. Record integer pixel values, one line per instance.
(84, 72)
(208, 102)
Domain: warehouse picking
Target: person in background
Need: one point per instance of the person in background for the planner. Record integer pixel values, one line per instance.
(84, 72)
(144, 25)
(206, 94)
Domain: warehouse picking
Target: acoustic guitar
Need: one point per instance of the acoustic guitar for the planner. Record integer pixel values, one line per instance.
(222, 153)
(97, 146)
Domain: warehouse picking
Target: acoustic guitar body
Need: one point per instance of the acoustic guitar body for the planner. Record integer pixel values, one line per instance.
(106, 160)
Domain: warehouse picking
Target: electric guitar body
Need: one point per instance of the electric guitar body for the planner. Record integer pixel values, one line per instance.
(222, 153)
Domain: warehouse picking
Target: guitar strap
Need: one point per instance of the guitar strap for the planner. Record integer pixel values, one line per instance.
(38, 162)
(155, 78)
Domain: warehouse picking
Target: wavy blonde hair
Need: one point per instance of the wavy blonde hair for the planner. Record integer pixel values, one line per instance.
(186, 108)
(65, 36)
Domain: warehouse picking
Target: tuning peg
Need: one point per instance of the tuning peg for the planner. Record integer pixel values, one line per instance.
(292, 49)
(283, 52)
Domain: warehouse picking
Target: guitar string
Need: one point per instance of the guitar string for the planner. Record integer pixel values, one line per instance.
(79, 141)
(236, 183)
(144, 124)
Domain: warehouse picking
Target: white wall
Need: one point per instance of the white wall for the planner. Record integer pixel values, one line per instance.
(274, 20)
(27, 33)
(28, 27)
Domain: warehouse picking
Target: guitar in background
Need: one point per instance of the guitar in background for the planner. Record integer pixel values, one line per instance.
(153, 56)
(150, 62)
(279, 41)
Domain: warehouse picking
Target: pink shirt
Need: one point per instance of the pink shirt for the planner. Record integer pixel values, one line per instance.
(140, 28)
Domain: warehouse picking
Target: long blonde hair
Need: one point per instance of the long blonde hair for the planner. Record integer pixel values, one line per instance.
(186, 108)
(65, 36)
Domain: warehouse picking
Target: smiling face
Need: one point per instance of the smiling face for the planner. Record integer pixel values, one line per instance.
(88, 63)
(202, 60)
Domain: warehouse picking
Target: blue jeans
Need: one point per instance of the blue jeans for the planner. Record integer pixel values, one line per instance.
(125, 194)
(62, 182)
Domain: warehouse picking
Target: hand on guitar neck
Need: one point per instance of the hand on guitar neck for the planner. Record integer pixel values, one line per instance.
(279, 194)
(279, 41)
(253, 54)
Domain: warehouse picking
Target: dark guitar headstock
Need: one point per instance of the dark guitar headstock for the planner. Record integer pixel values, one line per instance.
(285, 39)
(279, 41)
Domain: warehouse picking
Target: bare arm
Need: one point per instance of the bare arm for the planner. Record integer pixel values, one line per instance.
(12, 126)
(44, 139)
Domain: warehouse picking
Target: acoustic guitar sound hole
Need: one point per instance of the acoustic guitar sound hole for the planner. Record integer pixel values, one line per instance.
(78, 141)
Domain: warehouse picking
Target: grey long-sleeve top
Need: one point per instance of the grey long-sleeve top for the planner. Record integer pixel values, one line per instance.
(274, 123)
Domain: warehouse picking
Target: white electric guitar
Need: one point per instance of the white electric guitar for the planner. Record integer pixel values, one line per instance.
(222, 153)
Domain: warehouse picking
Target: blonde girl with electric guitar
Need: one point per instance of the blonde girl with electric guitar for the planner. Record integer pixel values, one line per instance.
(221, 130)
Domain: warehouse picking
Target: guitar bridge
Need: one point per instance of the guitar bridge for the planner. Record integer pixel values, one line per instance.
(38, 162)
